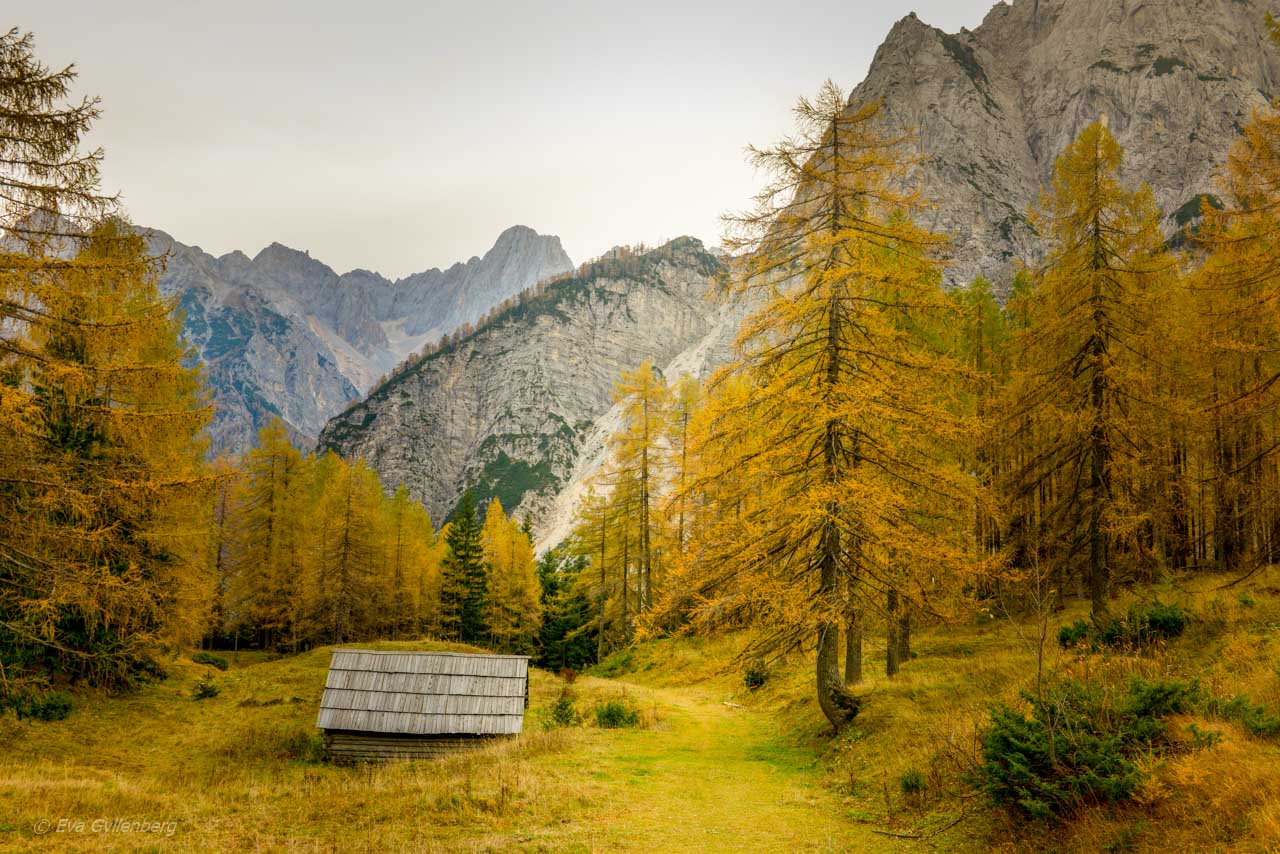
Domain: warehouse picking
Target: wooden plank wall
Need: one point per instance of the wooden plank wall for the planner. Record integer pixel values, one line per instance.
(371, 747)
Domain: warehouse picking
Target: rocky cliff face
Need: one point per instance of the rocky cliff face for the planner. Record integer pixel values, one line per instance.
(260, 362)
(993, 107)
(284, 335)
(509, 409)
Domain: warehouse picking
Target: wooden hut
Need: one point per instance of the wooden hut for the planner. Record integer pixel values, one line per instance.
(411, 705)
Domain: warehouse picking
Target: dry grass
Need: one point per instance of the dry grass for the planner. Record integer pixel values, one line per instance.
(714, 766)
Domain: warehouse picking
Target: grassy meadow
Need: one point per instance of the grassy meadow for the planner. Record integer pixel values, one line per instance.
(712, 766)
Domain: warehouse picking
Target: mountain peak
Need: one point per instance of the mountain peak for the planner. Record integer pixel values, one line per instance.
(991, 109)
(516, 231)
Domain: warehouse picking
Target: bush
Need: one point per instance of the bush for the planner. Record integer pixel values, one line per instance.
(1202, 738)
(563, 712)
(1140, 626)
(1157, 621)
(211, 660)
(1154, 698)
(616, 664)
(1073, 635)
(912, 783)
(51, 706)
(616, 714)
(755, 674)
(1255, 718)
(1077, 747)
(205, 688)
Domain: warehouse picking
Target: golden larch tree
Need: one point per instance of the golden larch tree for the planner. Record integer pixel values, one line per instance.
(830, 478)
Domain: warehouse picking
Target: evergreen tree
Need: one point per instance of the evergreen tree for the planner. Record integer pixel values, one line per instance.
(1235, 368)
(267, 554)
(464, 590)
(514, 606)
(639, 459)
(567, 635)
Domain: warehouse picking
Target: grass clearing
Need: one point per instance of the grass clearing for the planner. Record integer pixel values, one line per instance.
(711, 766)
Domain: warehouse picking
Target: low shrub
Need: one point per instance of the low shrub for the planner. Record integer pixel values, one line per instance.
(304, 746)
(1157, 621)
(205, 689)
(563, 713)
(211, 660)
(616, 664)
(755, 674)
(1142, 625)
(1073, 635)
(616, 714)
(1158, 698)
(1255, 718)
(1203, 738)
(1077, 747)
(50, 706)
(912, 783)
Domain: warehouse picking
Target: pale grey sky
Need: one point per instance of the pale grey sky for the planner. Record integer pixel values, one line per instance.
(399, 136)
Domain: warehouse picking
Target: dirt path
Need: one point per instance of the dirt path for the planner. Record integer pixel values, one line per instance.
(710, 777)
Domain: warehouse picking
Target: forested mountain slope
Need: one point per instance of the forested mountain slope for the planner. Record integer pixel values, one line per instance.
(508, 408)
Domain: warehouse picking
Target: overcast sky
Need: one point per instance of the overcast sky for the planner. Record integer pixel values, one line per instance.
(398, 136)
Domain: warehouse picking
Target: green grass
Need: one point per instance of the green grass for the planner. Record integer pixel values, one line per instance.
(713, 766)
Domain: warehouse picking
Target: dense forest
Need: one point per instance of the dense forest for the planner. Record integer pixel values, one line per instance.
(884, 452)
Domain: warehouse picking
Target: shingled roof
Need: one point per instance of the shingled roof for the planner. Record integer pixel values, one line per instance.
(424, 693)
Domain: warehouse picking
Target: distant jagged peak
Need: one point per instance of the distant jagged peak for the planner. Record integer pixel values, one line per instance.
(278, 255)
(363, 276)
(518, 231)
(631, 265)
(517, 241)
(666, 249)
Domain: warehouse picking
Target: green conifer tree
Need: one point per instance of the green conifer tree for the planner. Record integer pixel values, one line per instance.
(465, 586)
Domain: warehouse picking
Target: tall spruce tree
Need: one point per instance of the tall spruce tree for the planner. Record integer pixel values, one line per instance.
(464, 590)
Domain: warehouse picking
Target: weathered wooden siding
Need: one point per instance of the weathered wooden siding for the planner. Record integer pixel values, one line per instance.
(372, 747)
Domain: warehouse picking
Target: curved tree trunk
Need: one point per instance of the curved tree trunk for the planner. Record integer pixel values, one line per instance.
(840, 706)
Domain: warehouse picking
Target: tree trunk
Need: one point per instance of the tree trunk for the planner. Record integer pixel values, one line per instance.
(904, 635)
(853, 649)
(604, 521)
(838, 704)
(626, 572)
(891, 647)
(1100, 447)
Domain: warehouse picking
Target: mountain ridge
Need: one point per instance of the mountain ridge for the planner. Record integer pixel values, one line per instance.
(284, 335)
(506, 409)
